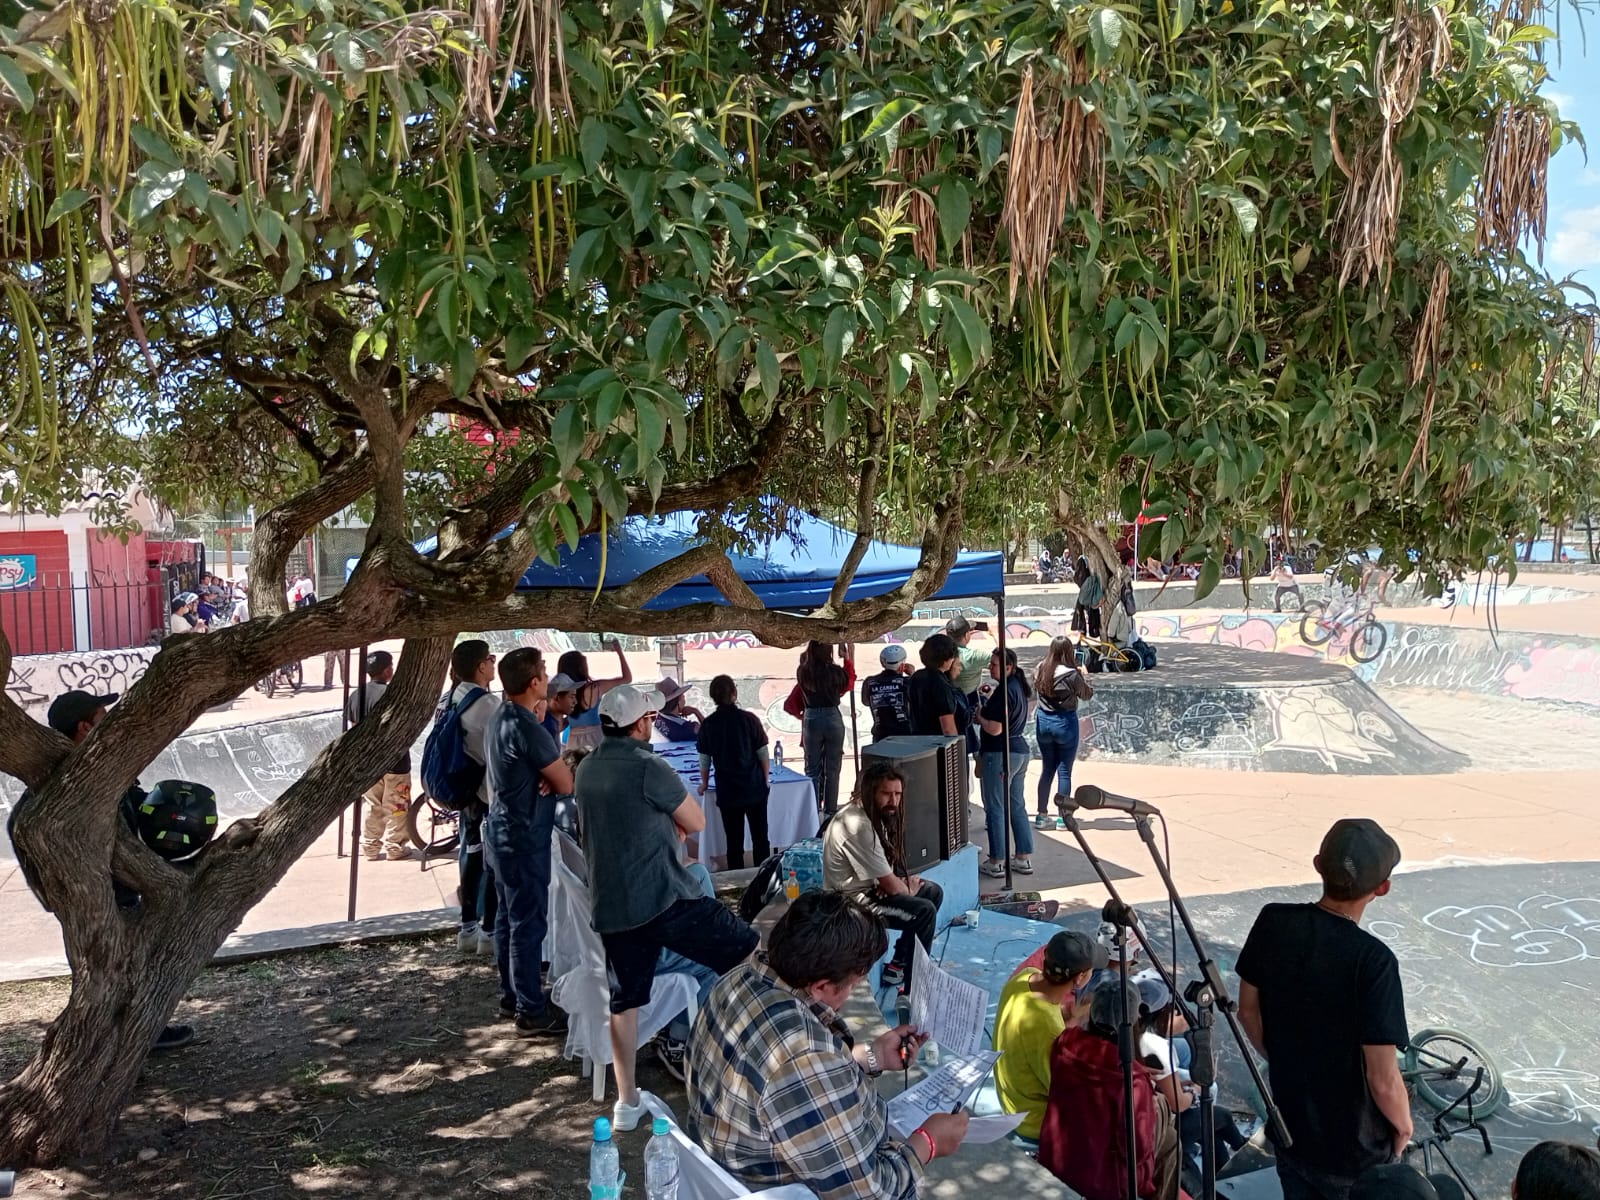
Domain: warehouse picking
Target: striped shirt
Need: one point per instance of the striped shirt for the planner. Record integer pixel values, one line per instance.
(776, 1098)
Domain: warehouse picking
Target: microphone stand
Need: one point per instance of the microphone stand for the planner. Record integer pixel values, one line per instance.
(1203, 1074)
(1121, 916)
(1212, 982)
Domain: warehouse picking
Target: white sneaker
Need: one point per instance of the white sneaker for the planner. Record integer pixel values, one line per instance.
(626, 1117)
(486, 943)
(467, 939)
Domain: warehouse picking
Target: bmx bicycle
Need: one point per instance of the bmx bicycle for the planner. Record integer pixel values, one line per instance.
(1093, 654)
(289, 678)
(1449, 1071)
(1353, 623)
(435, 829)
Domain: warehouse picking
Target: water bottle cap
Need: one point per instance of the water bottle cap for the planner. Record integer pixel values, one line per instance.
(602, 1129)
(660, 1127)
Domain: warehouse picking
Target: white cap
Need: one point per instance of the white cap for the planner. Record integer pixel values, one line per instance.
(624, 704)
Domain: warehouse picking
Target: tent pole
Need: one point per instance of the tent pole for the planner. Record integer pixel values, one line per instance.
(855, 737)
(1005, 733)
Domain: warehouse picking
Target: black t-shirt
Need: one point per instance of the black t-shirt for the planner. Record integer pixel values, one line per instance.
(730, 737)
(888, 700)
(834, 683)
(932, 694)
(1328, 988)
(990, 743)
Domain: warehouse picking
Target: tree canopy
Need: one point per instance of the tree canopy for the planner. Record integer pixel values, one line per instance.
(1251, 261)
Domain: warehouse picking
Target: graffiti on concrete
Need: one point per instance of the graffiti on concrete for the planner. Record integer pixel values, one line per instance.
(1316, 720)
(1215, 727)
(37, 679)
(1540, 931)
(721, 639)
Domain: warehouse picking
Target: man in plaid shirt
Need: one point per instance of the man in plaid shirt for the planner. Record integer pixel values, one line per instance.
(779, 1092)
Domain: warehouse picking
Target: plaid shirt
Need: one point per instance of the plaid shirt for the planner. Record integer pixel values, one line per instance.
(776, 1098)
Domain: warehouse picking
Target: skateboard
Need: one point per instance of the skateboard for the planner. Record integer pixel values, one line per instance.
(1021, 904)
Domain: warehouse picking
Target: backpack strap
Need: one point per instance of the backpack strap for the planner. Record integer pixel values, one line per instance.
(471, 698)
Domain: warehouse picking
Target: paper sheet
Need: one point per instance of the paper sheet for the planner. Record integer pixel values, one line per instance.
(947, 1009)
(952, 1084)
(991, 1129)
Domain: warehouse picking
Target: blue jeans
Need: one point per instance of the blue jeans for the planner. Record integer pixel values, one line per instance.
(995, 807)
(478, 899)
(520, 867)
(1058, 748)
(823, 732)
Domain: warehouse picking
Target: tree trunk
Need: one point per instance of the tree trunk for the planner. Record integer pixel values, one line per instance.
(131, 965)
(1588, 528)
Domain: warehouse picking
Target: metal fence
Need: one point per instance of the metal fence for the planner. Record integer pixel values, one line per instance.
(60, 613)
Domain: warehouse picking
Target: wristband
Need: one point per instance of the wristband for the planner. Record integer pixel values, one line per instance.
(933, 1151)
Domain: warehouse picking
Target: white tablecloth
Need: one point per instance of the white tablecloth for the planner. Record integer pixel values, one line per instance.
(791, 804)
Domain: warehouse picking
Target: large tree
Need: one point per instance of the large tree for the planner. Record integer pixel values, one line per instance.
(678, 255)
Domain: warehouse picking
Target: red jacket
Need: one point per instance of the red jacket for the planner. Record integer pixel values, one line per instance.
(1081, 1141)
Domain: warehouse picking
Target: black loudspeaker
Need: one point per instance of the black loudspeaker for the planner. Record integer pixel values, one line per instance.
(937, 777)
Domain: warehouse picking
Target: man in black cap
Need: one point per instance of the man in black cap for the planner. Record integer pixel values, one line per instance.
(74, 714)
(1321, 999)
(384, 831)
(1036, 1005)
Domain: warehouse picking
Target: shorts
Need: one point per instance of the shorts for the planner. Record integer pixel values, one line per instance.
(701, 929)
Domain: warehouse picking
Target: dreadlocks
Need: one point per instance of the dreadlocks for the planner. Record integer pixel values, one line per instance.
(890, 827)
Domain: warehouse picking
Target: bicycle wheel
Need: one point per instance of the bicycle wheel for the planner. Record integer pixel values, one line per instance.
(1368, 641)
(269, 685)
(1313, 632)
(434, 829)
(294, 676)
(1430, 1061)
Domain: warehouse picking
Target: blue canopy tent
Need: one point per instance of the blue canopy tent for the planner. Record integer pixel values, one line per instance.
(793, 571)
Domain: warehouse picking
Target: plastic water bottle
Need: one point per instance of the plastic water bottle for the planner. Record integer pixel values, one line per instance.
(791, 885)
(604, 1183)
(777, 753)
(661, 1163)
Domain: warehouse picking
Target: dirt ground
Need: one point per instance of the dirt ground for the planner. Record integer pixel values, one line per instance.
(360, 1070)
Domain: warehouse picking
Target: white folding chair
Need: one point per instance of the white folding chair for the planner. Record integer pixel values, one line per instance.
(701, 1177)
(582, 990)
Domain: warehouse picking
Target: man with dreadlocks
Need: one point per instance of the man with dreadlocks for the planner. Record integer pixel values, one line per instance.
(863, 854)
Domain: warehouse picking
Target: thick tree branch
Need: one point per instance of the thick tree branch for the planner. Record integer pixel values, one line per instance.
(28, 750)
(279, 530)
(866, 513)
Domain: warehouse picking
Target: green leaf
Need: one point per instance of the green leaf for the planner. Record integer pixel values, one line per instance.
(220, 63)
(974, 333)
(156, 190)
(463, 367)
(835, 418)
(651, 425)
(899, 297)
(608, 406)
(16, 79)
(770, 370)
(929, 386)
(569, 525)
(580, 262)
(348, 54)
(446, 310)
(838, 336)
(656, 14)
(230, 222)
(899, 372)
(1105, 33)
(592, 143)
(955, 211)
(738, 228)
(1129, 501)
(566, 432)
(1148, 443)
(1173, 534)
(890, 116)
(66, 202)
(154, 146)
(666, 328)
(1210, 573)
(1249, 215)
(520, 342)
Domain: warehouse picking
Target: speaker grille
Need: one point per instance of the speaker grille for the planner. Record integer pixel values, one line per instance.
(953, 800)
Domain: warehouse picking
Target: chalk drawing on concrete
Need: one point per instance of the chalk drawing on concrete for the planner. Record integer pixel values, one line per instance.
(1315, 720)
(1212, 728)
(1551, 1095)
(1541, 931)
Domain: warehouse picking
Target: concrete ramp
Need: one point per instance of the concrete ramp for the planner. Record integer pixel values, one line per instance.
(1219, 706)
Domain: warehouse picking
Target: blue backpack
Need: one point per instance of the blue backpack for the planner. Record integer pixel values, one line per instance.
(449, 774)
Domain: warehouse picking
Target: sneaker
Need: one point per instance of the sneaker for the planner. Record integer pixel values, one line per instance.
(670, 1054)
(404, 854)
(626, 1117)
(467, 939)
(173, 1037)
(993, 868)
(550, 1023)
(373, 857)
(893, 976)
(486, 943)
(508, 1010)
(1023, 864)
(1044, 821)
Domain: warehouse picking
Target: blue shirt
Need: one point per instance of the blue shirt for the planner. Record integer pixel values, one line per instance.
(516, 749)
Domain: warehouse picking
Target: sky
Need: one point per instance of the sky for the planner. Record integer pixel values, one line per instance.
(1574, 183)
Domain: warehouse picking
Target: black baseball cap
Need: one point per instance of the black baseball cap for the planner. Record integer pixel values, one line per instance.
(379, 660)
(1069, 953)
(1357, 856)
(71, 709)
